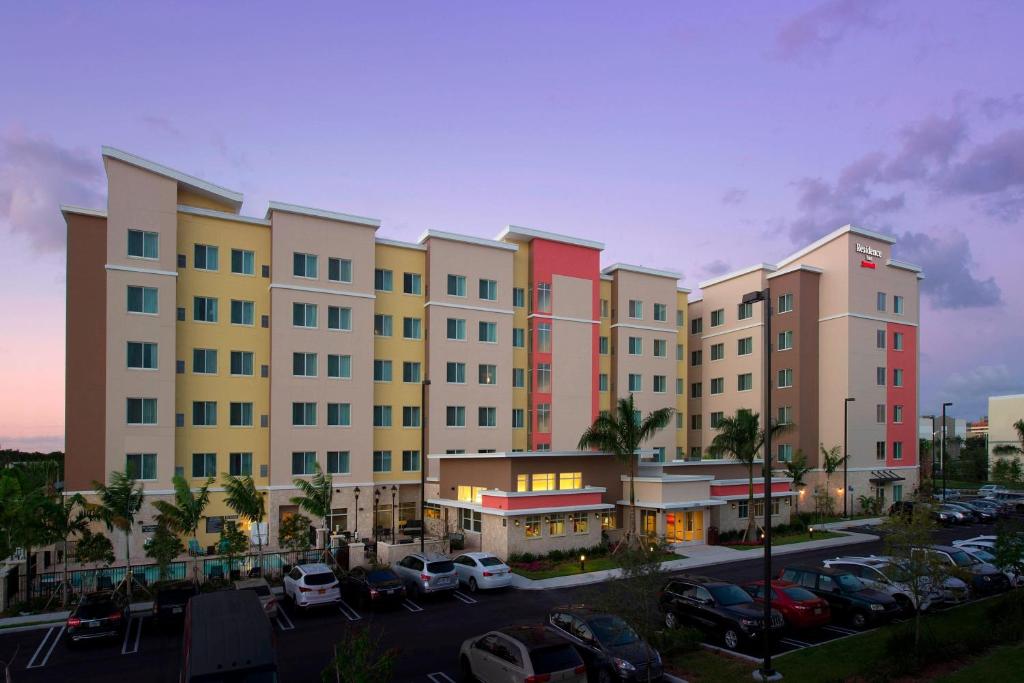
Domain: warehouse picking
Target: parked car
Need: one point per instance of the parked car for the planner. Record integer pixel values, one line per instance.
(378, 586)
(610, 648)
(906, 507)
(885, 575)
(1015, 499)
(262, 589)
(720, 609)
(425, 573)
(800, 608)
(973, 516)
(849, 597)
(986, 541)
(985, 579)
(958, 516)
(521, 653)
(227, 638)
(482, 571)
(991, 490)
(985, 555)
(310, 585)
(999, 509)
(170, 601)
(948, 494)
(103, 614)
(984, 514)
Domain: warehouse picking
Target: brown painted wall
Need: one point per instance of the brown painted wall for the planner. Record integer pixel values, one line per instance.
(500, 473)
(726, 470)
(85, 370)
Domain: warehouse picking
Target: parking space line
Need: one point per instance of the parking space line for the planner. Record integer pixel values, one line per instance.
(795, 643)
(440, 677)
(32, 663)
(732, 653)
(283, 621)
(128, 636)
(840, 629)
(411, 606)
(465, 598)
(349, 613)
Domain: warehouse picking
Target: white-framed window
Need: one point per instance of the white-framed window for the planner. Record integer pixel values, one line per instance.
(879, 450)
(880, 376)
(661, 313)
(242, 312)
(204, 309)
(680, 386)
(518, 297)
(142, 355)
(456, 373)
(412, 283)
(240, 464)
(680, 420)
(455, 416)
(204, 413)
(410, 461)
(304, 364)
(204, 465)
(412, 328)
(717, 385)
(785, 378)
(383, 280)
(880, 413)
(636, 346)
(141, 411)
(880, 301)
(304, 265)
(303, 414)
(660, 348)
(785, 303)
(745, 311)
(897, 450)
(718, 317)
(745, 381)
(696, 389)
(570, 480)
(487, 374)
(518, 418)
(518, 338)
(718, 351)
(696, 357)
(897, 341)
(338, 462)
(636, 382)
(339, 366)
(543, 371)
(456, 329)
(602, 381)
(243, 262)
(339, 269)
(580, 523)
(207, 257)
(556, 525)
(470, 520)
(543, 418)
(744, 346)
(602, 346)
(303, 462)
(143, 300)
(488, 332)
(141, 465)
(897, 304)
(303, 315)
(488, 289)
(897, 414)
(714, 419)
(544, 337)
(240, 414)
(518, 378)
(879, 339)
(543, 297)
(660, 384)
(785, 340)
(696, 325)
(339, 318)
(381, 370)
(204, 361)
(143, 244)
(457, 285)
(487, 416)
(411, 372)
(410, 416)
(382, 416)
(784, 452)
(636, 309)
(785, 415)
(680, 318)
(339, 414)
(680, 352)
(897, 377)
(696, 422)
(531, 526)
(382, 325)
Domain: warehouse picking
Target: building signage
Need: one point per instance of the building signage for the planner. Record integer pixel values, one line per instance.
(870, 253)
(148, 528)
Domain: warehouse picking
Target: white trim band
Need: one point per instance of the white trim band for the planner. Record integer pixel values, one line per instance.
(321, 213)
(135, 269)
(545, 316)
(223, 215)
(466, 239)
(866, 317)
(197, 185)
(734, 329)
(468, 307)
(320, 290)
(649, 328)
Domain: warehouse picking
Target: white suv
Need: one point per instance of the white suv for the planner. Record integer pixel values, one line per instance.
(885, 575)
(308, 585)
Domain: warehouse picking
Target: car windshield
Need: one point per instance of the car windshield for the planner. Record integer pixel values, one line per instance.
(175, 594)
(895, 572)
(730, 595)
(548, 660)
(490, 561)
(849, 583)
(441, 567)
(321, 579)
(96, 610)
(612, 631)
(983, 555)
(962, 559)
(799, 594)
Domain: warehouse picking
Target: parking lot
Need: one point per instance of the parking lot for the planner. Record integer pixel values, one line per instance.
(426, 631)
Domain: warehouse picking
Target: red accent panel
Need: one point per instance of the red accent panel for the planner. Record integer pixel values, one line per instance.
(906, 396)
(867, 264)
(740, 489)
(540, 500)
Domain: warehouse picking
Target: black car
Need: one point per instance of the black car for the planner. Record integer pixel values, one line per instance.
(993, 506)
(983, 513)
(985, 579)
(610, 648)
(103, 614)
(847, 596)
(906, 507)
(720, 609)
(373, 586)
(171, 600)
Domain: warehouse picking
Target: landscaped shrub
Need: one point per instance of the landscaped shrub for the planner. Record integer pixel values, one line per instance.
(671, 642)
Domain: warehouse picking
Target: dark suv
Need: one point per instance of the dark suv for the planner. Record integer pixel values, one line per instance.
(170, 602)
(720, 609)
(848, 597)
(610, 648)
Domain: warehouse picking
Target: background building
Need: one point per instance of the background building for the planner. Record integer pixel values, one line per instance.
(1003, 412)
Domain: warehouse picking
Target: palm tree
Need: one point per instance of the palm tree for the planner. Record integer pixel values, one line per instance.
(1010, 448)
(741, 437)
(27, 496)
(120, 502)
(797, 469)
(65, 519)
(317, 496)
(831, 460)
(242, 497)
(186, 512)
(621, 433)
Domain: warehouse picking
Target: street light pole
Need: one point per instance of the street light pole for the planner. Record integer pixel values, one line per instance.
(944, 450)
(423, 463)
(846, 455)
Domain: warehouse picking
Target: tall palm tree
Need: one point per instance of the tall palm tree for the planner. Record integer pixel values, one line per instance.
(831, 460)
(622, 433)
(797, 469)
(317, 496)
(741, 437)
(242, 497)
(1010, 448)
(186, 512)
(66, 518)
(120, 502)
(27, 495)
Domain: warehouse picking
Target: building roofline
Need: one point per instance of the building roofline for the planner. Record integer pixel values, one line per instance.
(513, 454)
(737, 273)
(518, 233)
(466, 239)
(398, 243)
(641, 269)
(81, 211)
(222, 215)
(321, 213)
(794, 269)
(1004, 396)
(197, 185)
(903, 265)
(695, 300)
(684, 290)
(881, 237)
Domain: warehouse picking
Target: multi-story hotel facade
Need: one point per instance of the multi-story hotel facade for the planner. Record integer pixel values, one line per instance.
(201, 342)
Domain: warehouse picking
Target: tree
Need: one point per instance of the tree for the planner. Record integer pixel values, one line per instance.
(293, 533)
(94, 547)
(241, 496)
(741, 437)
(1009, 546)
(163, 548)
(28, 496)
(622, 433)
(186, 512)
(797, 469)
(317, 496)
(831, 460)
(1010, 448)
(66, 518)
(232, 543)
(359, 658)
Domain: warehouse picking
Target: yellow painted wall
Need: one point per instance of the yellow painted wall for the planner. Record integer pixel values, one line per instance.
(605, 361)
(521, 357)
(681, 336)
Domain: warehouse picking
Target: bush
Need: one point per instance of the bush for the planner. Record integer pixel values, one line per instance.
(671, 642)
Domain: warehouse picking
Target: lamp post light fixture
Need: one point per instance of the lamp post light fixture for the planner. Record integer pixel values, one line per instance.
(846, 456)
(943, 455)
(394, 492)
(583, 563)
(423, 463)
(355, 531)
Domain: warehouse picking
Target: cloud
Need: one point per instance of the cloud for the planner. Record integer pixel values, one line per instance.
(996, 108)
(36, 176)
(947, 263)
(817, 31)
(991, 167)
(716, 267)
(160, 125)
(734, 196)
(974, 386)
(926, 146)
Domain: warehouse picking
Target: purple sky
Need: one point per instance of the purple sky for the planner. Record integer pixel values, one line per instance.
(686, 136)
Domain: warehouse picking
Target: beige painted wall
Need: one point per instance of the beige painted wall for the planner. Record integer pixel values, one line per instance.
(572, 360)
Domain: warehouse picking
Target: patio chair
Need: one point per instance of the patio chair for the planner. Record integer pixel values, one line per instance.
(104, 583)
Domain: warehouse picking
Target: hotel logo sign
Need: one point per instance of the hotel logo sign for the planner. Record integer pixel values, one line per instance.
(870, 254)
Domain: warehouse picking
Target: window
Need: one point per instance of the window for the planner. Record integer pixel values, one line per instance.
(785, 303)
(785, 378)
(204, 413)
(695, 390)
(879, 450)
(544, 297)
(784, 453)
(745, 382)
(487, 416)
(382, 280)
(897, 305)
(636, 346)
(488, 290)
(339, 415)
(412, 283)
(206, 257)
(518, 297)
(242, 312)
(661, 313)
(696, 325)
(456, 285)
(718, 351)
(880, 303)
(602, 382)
(544, 481)
(339, 269)
(880, 413)
(455, 416)
(544, 337)
(636, 309)
(897, 492)
(240, 414)
(381, 371)
(488, 332)
(410, 416)
(303, 315)
(303, 414)
(240, 464)
(715, 419)
(680, 318)
(411, 372)
(680, 421)
(382, 324)
(141, 411)
(243, 262)
(143, 244)
(680, 352)
(518, 421)
(897, 414)
(696, 422)
(304, 364)
(880, 339)
(303, 462)
(456, 373)
(141, 465)
(880, 376)
(785, 340)
(518, 337)
(696, 357)
(204, 361)
(410, 461)
(602, 346)
(718, 317)
(635, 382)
(717, 385)
(897, 341)
(785, 415)
(580, 522)
(531, 526)
(744, 346)
(897, 450)
(204, 465)
(556, 525)
(695, 453)
(339, 366)
(304, 265)
(518, 378)
(544, 377)
(544, 418)
(382, 416)
(680, 386)
(745, 311)
(142, 300)
(897, 377)
(470, 520)
(142, 355)
(204, 309)
(338, 462)
(660, 348)
(456, 329)
(660, 384)
(468, 494)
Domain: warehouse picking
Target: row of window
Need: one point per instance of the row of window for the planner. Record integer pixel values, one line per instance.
(144, 465)
(897, 340)
(743, 312)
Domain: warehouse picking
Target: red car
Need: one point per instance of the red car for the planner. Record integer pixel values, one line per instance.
(799, 607)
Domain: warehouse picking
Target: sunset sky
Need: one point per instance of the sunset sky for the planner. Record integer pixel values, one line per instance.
(701, 137)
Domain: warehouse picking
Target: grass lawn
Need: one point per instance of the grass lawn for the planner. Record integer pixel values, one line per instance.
(786, 539)
(1001, 664)
(571, 567)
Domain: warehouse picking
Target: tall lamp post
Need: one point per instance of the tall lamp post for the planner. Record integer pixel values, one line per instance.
(423, 463)
(846, 455)
(944, 405)
(355, 531)
(766, 673)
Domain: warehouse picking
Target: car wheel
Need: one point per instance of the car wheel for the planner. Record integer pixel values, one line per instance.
(731, 638)
(466, 670)
(905, 604)
(671, 620)
(472, 585)
(859, 620)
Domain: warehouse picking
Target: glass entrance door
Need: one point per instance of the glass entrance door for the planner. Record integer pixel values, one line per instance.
(673, 529)
(693, 525)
